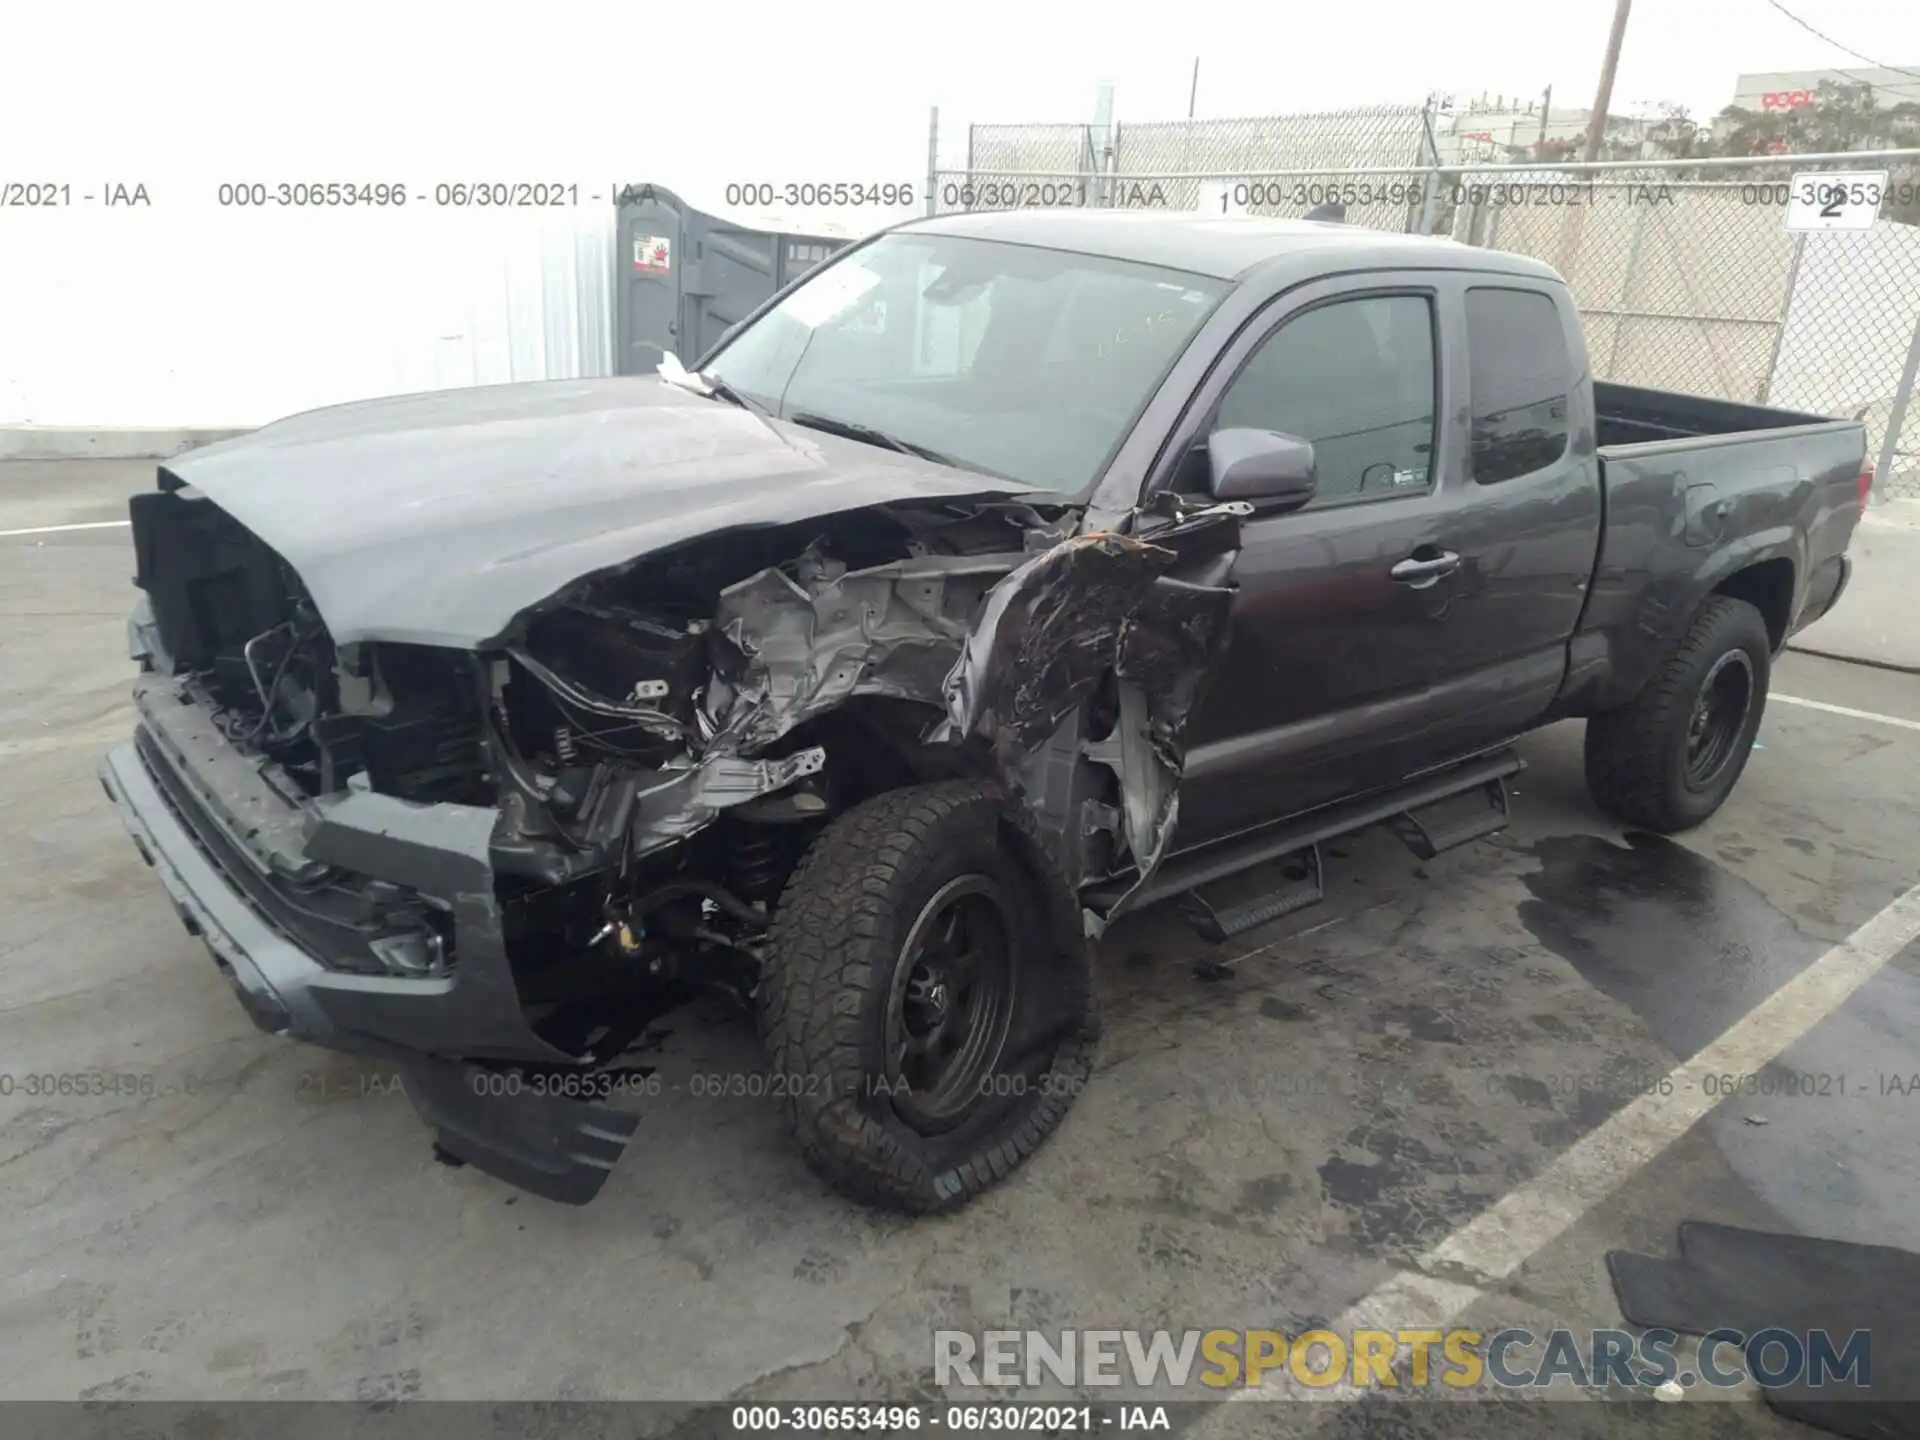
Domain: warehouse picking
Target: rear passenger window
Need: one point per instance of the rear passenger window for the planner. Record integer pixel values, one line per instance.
(1356, 378)
(1522, 373)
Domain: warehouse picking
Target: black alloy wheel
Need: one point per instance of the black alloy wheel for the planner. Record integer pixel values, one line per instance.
(950, 1003)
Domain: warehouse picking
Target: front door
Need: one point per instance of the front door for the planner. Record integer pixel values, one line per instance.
(1324, 689)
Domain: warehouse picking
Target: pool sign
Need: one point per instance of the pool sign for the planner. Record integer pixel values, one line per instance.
(1836, 200)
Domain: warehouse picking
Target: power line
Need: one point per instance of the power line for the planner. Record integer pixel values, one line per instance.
(1822, 35)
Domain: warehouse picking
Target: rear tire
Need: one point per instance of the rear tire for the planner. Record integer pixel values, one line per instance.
(1667, 759)
(924, 1026)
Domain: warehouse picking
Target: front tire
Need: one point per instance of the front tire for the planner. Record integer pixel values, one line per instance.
(925, 1026)
(1667, 759)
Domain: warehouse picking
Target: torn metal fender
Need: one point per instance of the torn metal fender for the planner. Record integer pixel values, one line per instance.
(1046, 637)
(786, 650)
(1008, 646)
(1149, 608)
(1167, 652)
(793, 651)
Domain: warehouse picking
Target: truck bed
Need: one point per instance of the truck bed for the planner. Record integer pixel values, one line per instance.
(1631, 415)
(1703, 496)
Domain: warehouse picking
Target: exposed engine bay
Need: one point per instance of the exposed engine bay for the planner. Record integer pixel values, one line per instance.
(660, 741)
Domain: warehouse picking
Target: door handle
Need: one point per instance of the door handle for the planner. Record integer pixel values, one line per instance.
(1418, 574)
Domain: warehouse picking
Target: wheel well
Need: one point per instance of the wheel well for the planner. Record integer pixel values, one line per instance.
(1768, 587)
(874, 745)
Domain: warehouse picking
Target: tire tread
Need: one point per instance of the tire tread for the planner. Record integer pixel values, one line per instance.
(1626, 759)
(832, 922)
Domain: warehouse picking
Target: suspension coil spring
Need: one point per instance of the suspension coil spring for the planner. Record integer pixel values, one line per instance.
(757, 862)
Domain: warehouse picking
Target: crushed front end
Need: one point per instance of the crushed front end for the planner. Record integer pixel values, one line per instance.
(325, 820)
(518, 856)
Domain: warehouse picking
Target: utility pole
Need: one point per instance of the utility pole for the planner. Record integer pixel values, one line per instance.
(1100, 142)
(1597, 126)
(1193, 90)
(1546, 114)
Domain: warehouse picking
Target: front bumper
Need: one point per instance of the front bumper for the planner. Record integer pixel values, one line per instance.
(432, 1027)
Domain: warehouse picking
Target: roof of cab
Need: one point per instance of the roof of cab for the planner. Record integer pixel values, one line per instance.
(1224, 247)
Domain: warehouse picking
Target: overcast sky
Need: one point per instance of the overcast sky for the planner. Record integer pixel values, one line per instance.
(837, 91)
(190, 312)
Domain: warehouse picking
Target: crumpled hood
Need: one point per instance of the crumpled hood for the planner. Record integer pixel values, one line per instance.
(436, 518)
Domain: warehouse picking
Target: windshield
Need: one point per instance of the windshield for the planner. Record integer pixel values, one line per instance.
(1025, 363)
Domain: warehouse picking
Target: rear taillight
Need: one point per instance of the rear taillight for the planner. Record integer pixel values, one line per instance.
(1866, 484)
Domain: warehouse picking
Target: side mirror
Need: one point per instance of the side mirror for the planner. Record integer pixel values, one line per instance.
(1264, 465)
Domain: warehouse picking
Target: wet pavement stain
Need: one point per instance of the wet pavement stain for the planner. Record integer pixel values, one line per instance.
(1405, 1194)
(1267, 1193)
(1420, 1022)
(1556, 1027)
(1689, 946)
(1530, 1092)
(1591, 1110)
(1191, 1201)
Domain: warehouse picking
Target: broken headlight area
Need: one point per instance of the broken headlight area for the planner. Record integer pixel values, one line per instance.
(226, 619)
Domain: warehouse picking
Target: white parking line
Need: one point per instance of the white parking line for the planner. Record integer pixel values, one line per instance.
(1843, 710)
(1490, 1247)
(98, 737)
(56, 529)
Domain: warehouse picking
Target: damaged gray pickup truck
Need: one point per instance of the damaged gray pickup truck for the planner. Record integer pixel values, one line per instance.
(1003, 575)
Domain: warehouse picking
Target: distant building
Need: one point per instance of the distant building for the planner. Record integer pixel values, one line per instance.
(1498, 131)
(1791, 89)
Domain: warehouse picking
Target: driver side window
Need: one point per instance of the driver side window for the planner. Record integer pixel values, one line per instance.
(1356, 378)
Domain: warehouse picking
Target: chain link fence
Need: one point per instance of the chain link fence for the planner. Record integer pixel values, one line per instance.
(1684, 271)
(1174, 164)
(1021, 149)
(1381, 136)
(1688, 279)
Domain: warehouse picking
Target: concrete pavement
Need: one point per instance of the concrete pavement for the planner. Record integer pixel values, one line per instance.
(1275, 1135)
(108, 442)
(1875, 621)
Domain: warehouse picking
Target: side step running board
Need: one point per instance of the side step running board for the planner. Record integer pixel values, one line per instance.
(1300, 887)
(1215, 862)
(1448, 824)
